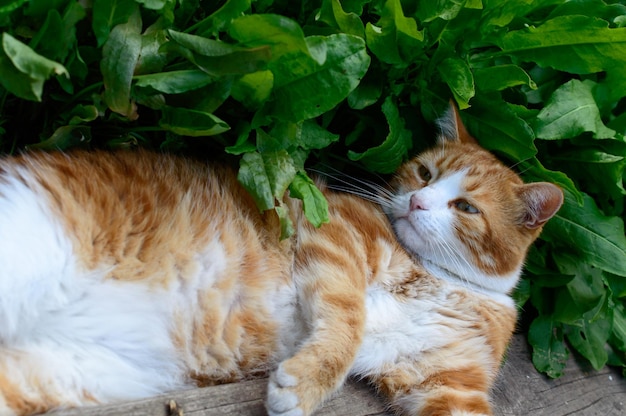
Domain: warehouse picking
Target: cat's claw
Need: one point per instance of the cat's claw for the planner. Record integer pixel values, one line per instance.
(281, 399)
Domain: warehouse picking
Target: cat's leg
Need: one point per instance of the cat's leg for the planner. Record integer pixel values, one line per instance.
(460, 391)
(331, 288)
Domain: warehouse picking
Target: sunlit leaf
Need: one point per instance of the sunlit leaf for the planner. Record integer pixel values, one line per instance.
(314, 203)
(23, 71)
(193, 123)
(304, 89)
(571, 111)
(120, 54)
(598, 238)
(175, 82)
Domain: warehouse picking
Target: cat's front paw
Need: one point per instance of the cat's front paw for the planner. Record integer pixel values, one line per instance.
(282, 398)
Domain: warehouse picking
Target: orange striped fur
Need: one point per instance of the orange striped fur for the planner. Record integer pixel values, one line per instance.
(128, 274)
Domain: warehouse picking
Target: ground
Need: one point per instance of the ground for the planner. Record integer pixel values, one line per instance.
(520, 391)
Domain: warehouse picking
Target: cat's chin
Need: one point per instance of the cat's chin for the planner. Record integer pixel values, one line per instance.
(409, 236)
(469, 277)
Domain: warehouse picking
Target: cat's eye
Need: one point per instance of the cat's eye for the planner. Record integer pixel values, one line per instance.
(463, 205)
(424, 173)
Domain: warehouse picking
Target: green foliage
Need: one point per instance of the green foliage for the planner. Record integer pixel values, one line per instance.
(277, 84)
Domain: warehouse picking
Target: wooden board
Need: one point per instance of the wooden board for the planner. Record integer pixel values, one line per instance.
(520, 391)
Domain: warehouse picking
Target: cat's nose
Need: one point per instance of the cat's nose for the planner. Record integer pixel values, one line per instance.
(416, 203)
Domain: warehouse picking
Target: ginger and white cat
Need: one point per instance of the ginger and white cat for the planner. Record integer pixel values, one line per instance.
(128, 274)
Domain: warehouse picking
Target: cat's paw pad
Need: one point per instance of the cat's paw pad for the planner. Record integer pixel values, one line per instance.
(282, 400)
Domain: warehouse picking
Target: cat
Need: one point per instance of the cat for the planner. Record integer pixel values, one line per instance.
(127, 274)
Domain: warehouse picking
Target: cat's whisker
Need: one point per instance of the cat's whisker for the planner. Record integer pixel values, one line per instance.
(519, 163)
(378, 199)
(339, 177)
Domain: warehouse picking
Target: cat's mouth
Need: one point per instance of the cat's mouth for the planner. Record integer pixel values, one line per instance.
(407, 229)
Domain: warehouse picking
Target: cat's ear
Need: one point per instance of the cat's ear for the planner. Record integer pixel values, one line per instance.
(542, 200)
(452, 127)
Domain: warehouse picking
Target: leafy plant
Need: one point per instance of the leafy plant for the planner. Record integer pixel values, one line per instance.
(278, 85)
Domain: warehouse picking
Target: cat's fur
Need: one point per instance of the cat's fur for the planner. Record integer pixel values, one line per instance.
(123, 275)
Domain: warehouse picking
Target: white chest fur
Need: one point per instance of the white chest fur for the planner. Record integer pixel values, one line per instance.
(399, 329)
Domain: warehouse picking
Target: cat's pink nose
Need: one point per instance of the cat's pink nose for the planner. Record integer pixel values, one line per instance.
(415, 203)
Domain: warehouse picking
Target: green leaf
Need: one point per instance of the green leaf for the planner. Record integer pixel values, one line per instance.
(243, 144)
(314, 136)
(153, 4)
(590, 339)
(600, 171)
(39, 8)
(619, 326)
(253, 177)
(354, 6)
(282, 34)
(576, 44)
(571, 111)
(109, 13)
(7, 7)
(119, 58)
(456, 73)
(314, 202)
(222, 17)
(521, 293)
(549, 351)
(280, 171)
(585, 294)
(208, 98)
(151, 59)
(215, 57)
(192, 123)
(203, 46)
(395, 39)
(596, 8)
(386, 157)
(286, 225)
(533, 171)
(28, 61)
(599, 239)
(252, 90)
(83, 114)
(304, 89)
(23, 71)
(50, 40)
(501, 13)
(65, 137)
(368, 91)
(175, 82)
(333, 14)
(443, 9)
(267, 175)
(500, 77)
(498, 128)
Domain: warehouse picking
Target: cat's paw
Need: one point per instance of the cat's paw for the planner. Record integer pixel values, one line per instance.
(282, 398)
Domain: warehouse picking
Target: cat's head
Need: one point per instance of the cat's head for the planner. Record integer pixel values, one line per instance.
(458, 208)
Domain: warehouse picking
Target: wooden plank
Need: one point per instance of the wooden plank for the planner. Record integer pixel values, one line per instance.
(519, 391)
(581, 391)
(245, 398)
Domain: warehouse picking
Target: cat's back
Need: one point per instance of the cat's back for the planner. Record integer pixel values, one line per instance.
(136, 206)
(140, 265)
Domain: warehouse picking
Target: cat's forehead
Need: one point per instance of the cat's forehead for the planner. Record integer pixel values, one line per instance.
(478, 169)
(457, 157)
